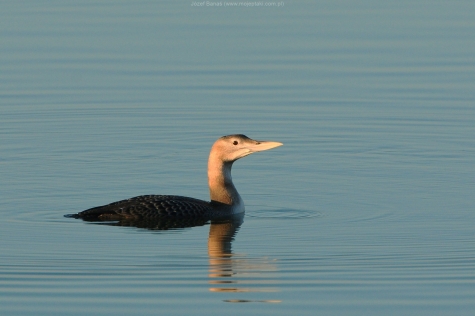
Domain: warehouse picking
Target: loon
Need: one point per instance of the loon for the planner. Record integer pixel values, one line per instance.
(225, 199)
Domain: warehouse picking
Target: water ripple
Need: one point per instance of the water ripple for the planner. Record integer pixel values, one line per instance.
(284, 214)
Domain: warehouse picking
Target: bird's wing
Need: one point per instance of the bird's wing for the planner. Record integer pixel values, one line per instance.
(148, 207)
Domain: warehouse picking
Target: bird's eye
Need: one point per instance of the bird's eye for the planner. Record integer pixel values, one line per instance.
(235, 142)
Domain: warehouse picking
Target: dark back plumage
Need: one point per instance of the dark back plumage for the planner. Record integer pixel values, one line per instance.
(148, 207)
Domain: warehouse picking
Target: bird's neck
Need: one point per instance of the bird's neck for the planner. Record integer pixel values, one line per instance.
(221, 187)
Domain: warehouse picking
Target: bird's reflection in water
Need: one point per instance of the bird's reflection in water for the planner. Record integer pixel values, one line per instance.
(228, 272)
(158, 224)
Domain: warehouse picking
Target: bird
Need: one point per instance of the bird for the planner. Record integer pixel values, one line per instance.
(225, 200)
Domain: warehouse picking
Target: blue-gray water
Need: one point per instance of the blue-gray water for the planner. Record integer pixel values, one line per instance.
(367, 209)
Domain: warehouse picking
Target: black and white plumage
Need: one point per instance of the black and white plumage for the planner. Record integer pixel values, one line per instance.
(225, 200)
(148, 207)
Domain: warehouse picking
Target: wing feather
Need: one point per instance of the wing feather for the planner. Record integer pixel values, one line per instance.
(149, 207)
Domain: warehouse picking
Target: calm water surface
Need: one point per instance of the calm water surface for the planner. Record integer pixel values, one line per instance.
(367, 209)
